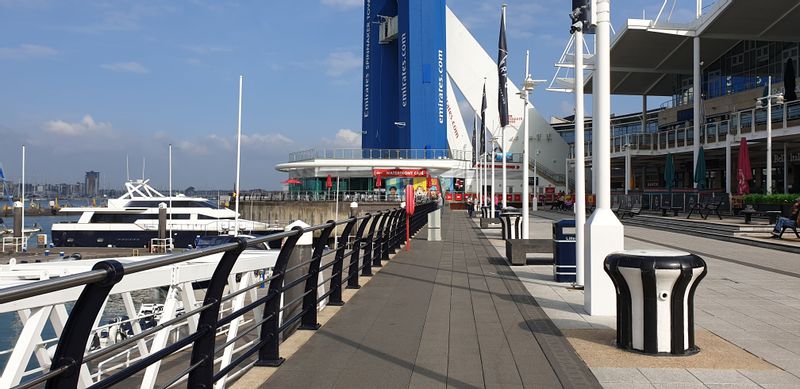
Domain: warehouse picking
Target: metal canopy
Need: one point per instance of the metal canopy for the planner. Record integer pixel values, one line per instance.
(647, 55)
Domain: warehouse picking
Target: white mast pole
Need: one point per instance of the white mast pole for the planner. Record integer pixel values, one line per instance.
(238, 155)
(493, 176)
(170, 196)
(127, 169)
(525, 151)
(22, 199)
(503, 139)
(477, 161)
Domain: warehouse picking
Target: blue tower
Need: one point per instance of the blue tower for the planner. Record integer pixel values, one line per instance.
(405, 75)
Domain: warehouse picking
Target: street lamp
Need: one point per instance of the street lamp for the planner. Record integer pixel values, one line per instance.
(759, 103)
(527, 88)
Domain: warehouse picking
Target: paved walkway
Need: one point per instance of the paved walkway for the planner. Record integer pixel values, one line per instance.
(749, 299)
(447, 314)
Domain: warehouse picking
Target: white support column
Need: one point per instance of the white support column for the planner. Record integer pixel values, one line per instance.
(233, 327)
(24, 347)
(728, 164)
(627, 169)
(503, 157)
(493, 181)
(161, 338)
(604, 233)
(580, 164)
(769, 135)
(697, 99)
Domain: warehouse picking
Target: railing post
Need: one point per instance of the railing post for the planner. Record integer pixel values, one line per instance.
(387, 235)
(335, 297)
(269, 353)
(72, 343)
(309, 320)
(352, 273)
(203, 347)
(367, 270)
(377, 255)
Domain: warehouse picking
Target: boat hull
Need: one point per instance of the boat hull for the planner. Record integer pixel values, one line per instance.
(135, 239)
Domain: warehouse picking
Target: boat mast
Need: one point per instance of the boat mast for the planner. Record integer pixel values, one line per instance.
(22, 199)
(238, 156)
(170, 195)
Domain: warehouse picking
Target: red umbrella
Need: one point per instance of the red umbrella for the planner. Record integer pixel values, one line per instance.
(329, 182)
(378, 182)
(291, 181)
(744, 171)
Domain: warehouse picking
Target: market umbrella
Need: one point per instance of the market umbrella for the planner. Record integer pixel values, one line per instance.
(329, 182)
(378, 182)
(700, 170)
(789, 83)
(744, 171)
(291, 181)
(669, 175)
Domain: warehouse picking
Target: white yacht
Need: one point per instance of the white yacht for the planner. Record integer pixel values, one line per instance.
(132, 220)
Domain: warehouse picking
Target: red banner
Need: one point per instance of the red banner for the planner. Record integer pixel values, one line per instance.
(517, 197)
(459, 197)
(400, 172)
(448, 196)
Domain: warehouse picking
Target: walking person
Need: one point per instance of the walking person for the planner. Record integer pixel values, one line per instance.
(790, 222)
(470, 207)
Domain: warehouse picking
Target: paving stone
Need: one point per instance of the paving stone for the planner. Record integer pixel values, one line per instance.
(711, 376)
(669, 376)
(612, 374)
(771, 377)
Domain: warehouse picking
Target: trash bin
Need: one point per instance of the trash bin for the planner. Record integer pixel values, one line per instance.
(485, 209)
(511, 218)
(564, 250)
(655, 299)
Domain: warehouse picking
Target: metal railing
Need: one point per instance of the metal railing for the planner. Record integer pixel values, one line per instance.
(375, 236)
(749, 121)
(683, 199)
(325, 195)
(310, 154)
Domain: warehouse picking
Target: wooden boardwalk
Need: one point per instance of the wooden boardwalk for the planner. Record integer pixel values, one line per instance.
(447, 314)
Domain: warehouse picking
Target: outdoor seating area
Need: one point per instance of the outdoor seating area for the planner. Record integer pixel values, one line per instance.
(706, 207)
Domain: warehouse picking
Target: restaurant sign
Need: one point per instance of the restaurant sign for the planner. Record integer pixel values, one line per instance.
(400, 172)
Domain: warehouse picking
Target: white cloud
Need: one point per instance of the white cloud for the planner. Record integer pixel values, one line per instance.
(344, 3)
(125, 67)
(87, 126)
(26, 51)
(265, 140)
(341, 62)
(348, 138)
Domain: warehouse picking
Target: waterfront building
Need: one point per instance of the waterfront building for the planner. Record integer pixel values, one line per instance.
(733, 62)
(416, 53)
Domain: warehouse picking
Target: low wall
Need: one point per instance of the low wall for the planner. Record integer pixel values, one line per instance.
(318, 212)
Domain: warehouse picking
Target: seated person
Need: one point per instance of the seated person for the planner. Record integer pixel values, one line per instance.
(787, 222)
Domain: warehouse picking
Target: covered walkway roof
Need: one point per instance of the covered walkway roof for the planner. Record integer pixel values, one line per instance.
(647, 54)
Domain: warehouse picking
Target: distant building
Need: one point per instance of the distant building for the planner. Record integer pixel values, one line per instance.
(92, 183)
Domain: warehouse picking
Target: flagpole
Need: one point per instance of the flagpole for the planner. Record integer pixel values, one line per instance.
(475, 157)
(503, 129)
(493, 176)
(238, 154)
(22, 199)
(170, 196)
(525, 152)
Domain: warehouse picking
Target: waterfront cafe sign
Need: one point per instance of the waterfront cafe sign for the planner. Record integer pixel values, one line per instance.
(405, 173)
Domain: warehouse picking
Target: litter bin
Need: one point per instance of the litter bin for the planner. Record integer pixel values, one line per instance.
(655, 299)
(485, 209)
(511, 219)
(564, 250)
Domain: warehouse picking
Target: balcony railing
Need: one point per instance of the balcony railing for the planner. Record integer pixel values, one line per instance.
(749, 121)
(310, 154)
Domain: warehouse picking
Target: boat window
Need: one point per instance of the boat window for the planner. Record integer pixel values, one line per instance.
(125, 218)
(175, 204)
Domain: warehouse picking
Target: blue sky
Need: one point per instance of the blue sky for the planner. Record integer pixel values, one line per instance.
(85, 83)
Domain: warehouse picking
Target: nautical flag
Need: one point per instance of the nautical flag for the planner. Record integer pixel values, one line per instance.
(502, 72)
(483, 121)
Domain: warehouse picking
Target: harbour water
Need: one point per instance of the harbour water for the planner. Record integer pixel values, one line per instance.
(45, 222)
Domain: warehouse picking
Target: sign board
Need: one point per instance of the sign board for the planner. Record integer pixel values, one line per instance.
(459, 197)
(448, 196)
(400, 172)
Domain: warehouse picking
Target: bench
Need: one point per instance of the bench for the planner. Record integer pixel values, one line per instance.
(630, 211)
(674, 210)
(704, 209)
(749, 212)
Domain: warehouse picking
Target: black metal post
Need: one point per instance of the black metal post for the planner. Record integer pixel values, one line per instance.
(72, 343)
(352, 273)
(309, 320)
(377, 255)
(203, 347)
(269, 354)
(367, 270)
(335, 297)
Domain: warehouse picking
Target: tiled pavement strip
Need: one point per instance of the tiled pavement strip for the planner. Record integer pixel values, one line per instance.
(752, 307)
